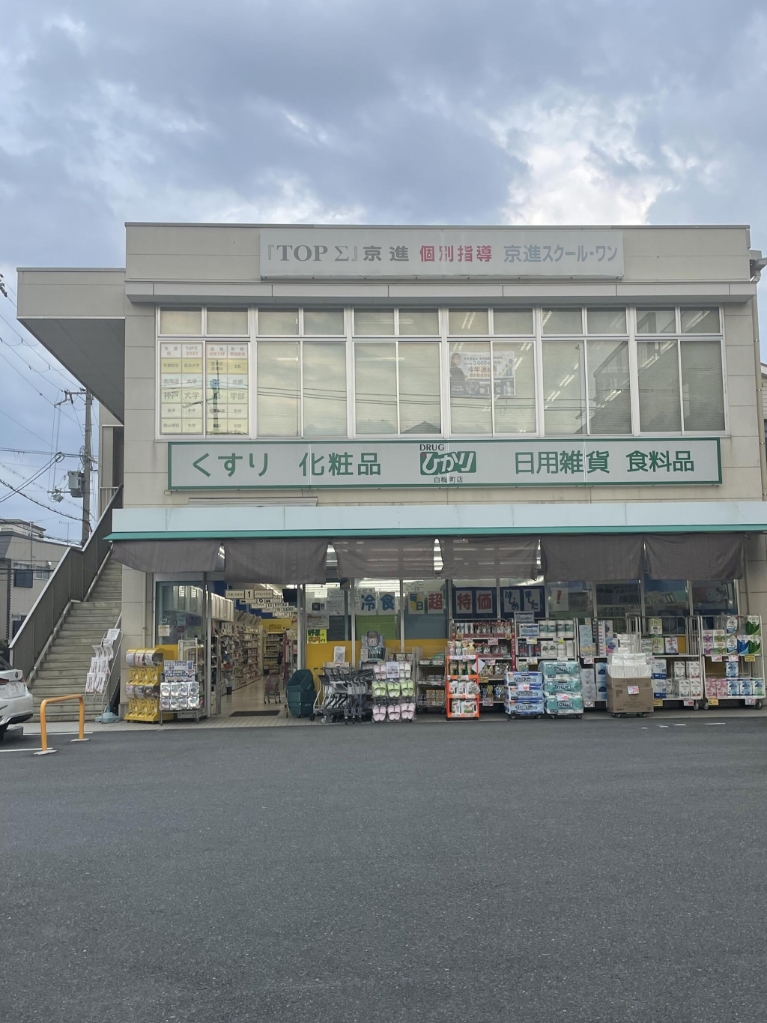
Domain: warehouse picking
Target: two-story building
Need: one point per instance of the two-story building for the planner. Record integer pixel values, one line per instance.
(415, 424)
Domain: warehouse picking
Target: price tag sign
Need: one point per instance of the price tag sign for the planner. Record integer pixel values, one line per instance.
(657, 703)
(588, 660)
(750, 701)
(713, 701)
(486, 702)
(689, 703)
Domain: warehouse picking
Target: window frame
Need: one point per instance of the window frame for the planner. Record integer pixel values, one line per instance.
(537, 338)
(410, 339)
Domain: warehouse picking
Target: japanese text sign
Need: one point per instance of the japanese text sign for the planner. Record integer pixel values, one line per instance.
(430, 252)
(248, 465)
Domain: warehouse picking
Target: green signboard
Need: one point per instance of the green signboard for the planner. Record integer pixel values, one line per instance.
(255, 465)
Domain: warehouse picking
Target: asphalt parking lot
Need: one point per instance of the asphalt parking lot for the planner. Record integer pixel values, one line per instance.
(531, 871)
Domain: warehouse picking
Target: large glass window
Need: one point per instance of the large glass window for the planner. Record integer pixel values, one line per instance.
(606, 321)
(659, 403)
(228, 322)
(419, 388)
(323, 321)
(181, 321)
(562, 321)
(700, 321)
(618, 600)
(377, 617)
(277, 321)
(468, 321)
(702, 385)
(656, 321)
(564, 388)
(609, 393)
(470, 387)
(418, 322)
(279, 389)
(426, 609)
(375, 372)
(513, 321)
(372, 322)
(397, 387)
(227, 388)
(514, 386)
(324, 387)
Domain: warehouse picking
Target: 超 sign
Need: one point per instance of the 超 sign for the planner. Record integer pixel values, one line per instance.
(251, 465)
(431, 252)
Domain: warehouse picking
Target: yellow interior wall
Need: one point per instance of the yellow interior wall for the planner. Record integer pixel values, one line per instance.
(318, 654)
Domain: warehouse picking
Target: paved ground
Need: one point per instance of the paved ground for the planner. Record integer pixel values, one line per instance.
(532, 871)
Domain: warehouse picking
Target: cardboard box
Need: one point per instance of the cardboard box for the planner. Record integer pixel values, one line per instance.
(629, 695)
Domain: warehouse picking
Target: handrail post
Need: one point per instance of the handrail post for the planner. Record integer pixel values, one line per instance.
(43, 725)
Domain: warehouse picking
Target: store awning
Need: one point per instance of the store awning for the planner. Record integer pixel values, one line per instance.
(692, 556)
(276, 559)
(168, 555)
(385, 558)
(490, 557)
(607, 557)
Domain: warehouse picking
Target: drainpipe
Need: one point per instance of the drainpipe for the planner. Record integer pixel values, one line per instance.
(759, 397)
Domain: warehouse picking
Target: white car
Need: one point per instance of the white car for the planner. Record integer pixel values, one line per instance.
(16, 702)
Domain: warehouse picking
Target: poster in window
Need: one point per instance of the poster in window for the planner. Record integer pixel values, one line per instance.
(484, 601)
(463, 602)
(470, 374)
(503, 373)
(532, 599)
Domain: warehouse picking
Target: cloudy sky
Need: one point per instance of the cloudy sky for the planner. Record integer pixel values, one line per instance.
(378, 111)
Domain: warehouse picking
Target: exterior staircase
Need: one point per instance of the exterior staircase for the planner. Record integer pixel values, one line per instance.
(68, 659)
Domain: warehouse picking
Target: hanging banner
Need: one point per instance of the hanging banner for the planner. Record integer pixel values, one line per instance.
(252, 465)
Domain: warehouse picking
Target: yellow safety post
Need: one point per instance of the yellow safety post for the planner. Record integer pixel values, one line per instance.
(44, 731)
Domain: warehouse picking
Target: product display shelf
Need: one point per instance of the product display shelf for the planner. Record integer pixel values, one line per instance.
(543, 640)
(430, 686)
(461, 686)
(596, 638)
(733, 661)
(674, 643)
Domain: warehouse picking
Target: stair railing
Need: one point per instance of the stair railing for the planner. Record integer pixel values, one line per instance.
(69, 582)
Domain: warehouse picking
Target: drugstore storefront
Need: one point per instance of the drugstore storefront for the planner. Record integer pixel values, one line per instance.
(408, 428)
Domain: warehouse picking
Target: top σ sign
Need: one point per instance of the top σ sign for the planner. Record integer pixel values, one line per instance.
(419, 252)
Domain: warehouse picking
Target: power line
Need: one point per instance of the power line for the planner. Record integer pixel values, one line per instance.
(28, 381)
(2, 413)
(36, 351)
(35, 475)
(26, 497)
(29, 451)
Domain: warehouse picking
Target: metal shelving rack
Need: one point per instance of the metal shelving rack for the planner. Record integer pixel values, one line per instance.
(732, 631)
(675, 639)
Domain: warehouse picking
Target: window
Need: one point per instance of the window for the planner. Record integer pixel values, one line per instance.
(513, 321)
(23, 578)
(606, 321)
(514, 386)
(564, 390)
(418, 322)
(609, 394)
(470, 387)
(324, 321)
(562, 321)
(659, 405)
(182, 390)
(227, 384)
(181, 321)
(656, 321)
(277, 322)
(702, 385)
(700, 321)
(324, 386)
(468, 321)
(697, 365)
(228, 322)
(372, 322)
(397, 387)
(279, 389)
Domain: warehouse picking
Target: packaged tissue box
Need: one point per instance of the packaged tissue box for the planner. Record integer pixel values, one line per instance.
(655, 626)
(671, 644)
(753, 625)
(758, 686)
(659, 668)
(680, 669)
(731, 669)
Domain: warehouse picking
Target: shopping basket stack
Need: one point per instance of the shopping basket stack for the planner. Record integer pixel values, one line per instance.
(301, 694)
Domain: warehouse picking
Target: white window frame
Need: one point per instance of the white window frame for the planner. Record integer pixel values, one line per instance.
(443, 339)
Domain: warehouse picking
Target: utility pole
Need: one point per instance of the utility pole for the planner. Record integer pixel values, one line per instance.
(87, 469)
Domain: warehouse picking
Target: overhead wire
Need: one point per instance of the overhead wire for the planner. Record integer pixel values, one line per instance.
(28, 381)
(40, 503)
(35, 475)
(34, 349)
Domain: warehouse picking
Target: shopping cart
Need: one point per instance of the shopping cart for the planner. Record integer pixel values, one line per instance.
(344, 695)
(272, 688)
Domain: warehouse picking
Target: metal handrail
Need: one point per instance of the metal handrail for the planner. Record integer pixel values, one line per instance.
(43, 728)
(69, 582)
